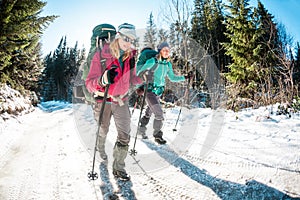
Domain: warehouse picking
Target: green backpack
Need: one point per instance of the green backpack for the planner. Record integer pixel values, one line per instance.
(101, 34)
(145, 55)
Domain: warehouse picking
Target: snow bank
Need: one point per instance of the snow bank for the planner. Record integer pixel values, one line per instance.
(12, 103)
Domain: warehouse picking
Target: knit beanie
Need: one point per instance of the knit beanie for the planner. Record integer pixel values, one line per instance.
(127, 30)
(162, 45)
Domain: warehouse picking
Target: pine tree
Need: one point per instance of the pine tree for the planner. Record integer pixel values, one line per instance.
(29, 66)
(74, 60)
(283, 70)
(61, 68)
(21, 27)
(198, 22)
(243, 48)
(162, 35)
(47, 84)
(150, 37)
(173, 37)
(208, 29)
(218, 30)
(297, 68)
(269, 45)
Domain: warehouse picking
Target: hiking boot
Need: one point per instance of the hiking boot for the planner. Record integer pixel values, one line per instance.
(142, 132)
(103, 155)
(160, 140)
(144, 136)
(122, 175)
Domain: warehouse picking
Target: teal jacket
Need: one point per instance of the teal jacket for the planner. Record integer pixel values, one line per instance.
(163, 69)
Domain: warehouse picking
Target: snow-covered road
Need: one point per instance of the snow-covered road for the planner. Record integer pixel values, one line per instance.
(43, 157)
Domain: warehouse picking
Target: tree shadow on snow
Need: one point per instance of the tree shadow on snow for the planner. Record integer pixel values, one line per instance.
(107, 189)
(226, 190)
(125, 189)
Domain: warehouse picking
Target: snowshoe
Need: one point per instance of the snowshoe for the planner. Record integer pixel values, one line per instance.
(121, 175)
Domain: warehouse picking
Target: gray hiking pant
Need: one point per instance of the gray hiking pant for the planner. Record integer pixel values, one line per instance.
(153, 106)
(104, 124)
(121, 116)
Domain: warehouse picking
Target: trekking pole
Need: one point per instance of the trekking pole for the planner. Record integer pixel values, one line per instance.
(132, 151)
(93, 175)
(187, 87)
(174, 129)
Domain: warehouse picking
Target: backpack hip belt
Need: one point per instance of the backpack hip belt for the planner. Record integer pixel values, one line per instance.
(158, 90)
(114, 98)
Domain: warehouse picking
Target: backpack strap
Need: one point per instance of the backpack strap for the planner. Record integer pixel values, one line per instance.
(150, 75)
(132, 62)
(155, 66)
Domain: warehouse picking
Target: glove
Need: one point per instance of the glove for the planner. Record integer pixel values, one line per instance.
(111, 74)
(140, 91)
(188, 75)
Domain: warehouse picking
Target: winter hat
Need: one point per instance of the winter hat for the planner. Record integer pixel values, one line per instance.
(127, 30)
(162, 45)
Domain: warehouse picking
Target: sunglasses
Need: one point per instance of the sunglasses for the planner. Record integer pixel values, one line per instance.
(127, 39)
(165, 50)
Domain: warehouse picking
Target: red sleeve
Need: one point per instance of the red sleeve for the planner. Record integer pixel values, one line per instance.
(94, 74)
(135, 80)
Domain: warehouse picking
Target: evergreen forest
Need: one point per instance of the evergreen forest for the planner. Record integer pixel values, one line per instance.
(256, 60)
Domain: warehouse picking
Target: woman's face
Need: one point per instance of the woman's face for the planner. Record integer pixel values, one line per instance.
(165, 52)
(125, 42)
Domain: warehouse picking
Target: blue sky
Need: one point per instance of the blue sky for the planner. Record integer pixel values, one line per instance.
(287, 12)
(77, 17)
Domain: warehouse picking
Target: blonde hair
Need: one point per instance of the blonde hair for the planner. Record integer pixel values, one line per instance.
(159, 57)
(115, 50)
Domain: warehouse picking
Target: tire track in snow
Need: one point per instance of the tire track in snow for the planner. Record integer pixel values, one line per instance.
(154, 187)
(161, 186)
(240, 162)
(8, 144)
(240, 173)
(44, 165)
(30, 167)
(14, 179)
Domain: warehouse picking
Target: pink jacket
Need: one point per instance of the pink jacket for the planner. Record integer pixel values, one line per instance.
(123, 80)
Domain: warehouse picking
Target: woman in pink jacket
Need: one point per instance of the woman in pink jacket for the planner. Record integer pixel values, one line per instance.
(120, 74)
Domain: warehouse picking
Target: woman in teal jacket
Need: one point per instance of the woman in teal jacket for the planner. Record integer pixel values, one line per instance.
(158, 68)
